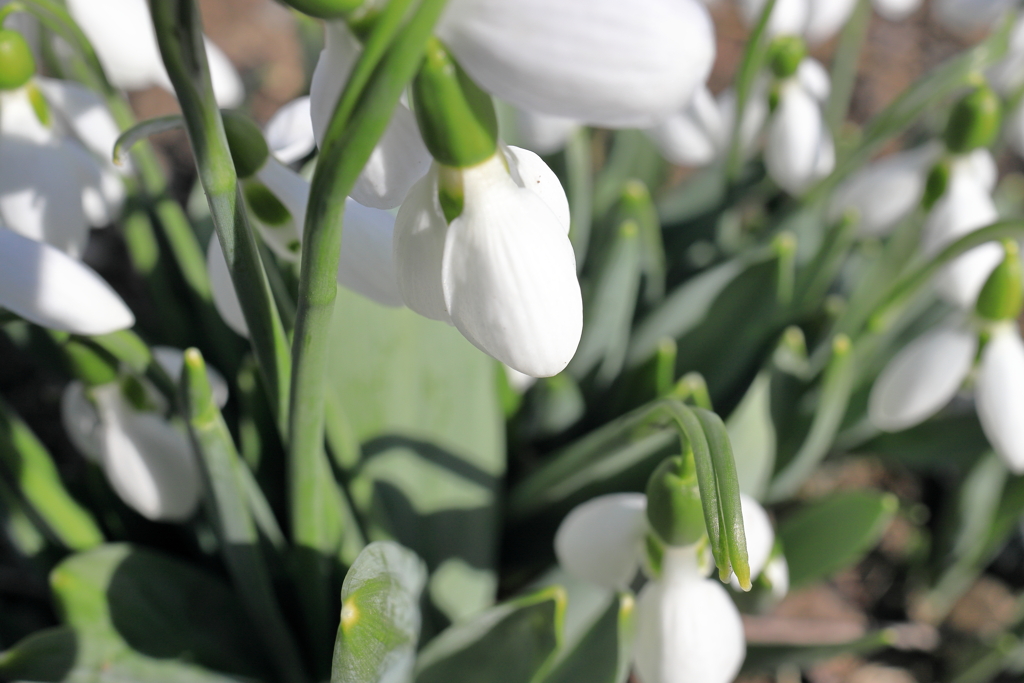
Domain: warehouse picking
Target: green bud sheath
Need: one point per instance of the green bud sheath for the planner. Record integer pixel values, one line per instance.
(936, 184)
(17, 64)
(456, 118)
(974, 121)
(1002, 296)
(785, 55)
(249, 150)
(673, 503)
(325, 9)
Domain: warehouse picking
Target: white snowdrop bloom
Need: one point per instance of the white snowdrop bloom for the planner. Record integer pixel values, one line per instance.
(46, 286)
(922, 378)
(147, 460)
(886, 191)
(777, 573)
(503, 272)
(999, 394)
(789, 17)
(538, 133)
(696, 135)
(799, 148)
(966, 206)
(760, 535)
(289, 131)
(895, 10)
(964, 17)
(601, 541)
(121, 32)
(603, 62)
(687, 628)
(400, 157)
(813, 76)
(819, 20)
(755, 115)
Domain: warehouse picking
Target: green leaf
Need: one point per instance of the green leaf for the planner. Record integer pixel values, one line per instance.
(828, 535)
(126, 604)
(380, 616)
(511, 643)
(604, 652)
(422, 402)
(939, 443)
(767, 658)
(752, 434)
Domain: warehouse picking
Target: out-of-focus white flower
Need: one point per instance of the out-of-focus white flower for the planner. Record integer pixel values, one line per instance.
(695, 136)
(999, 394)
(400, 157)
(503, 271)
(538, 133)
(46, 286)
(819, 20)
(601, 62)
(289, 131)
(964, 17)
(799, 148)
(121, 32)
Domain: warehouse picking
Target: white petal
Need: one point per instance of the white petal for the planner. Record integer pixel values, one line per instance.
(601, 540)
(540, 133)
(48, 287)
(367, 264)
(148, 462)
(172, 360)
(292, 190)
(420, 234)
(81, 421)
(85, 113)
(225, 300)
(509, 274)
(290, 131)
(399, 159)
(529, 170)
(777, 573)
(602, 62)
(121, 32)
(965, 17)
(980, 166)
(102, 190)
(759, 532)
(921, 379)
(896, 10)
(789, 18)
(687, 630)
(815, 79)
(692, 137)
(755, 114)
(885, 192)
(999, 395)
(795, 138)
(826, 18)
(227, 85)
(19, 119)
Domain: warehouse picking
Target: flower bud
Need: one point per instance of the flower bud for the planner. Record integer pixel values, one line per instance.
(248, 148)
(456, 118)
(936, 184)
(974, 121)
(673, 503)
(785, 55)
(325, 9)
(17, 64)
(1002, 297)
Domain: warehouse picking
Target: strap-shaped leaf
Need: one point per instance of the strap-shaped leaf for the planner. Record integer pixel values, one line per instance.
(604, 653)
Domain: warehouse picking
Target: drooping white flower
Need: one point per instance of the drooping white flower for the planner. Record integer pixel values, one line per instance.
(400, 157)
(289, 131)
(819, 20)
(799, 148)
(601, 541)
(503, 271)
(121, 32)
(602, 62)
(538, 133)
(46, 286)
(999, 394)
(965, 17)
(696, 135)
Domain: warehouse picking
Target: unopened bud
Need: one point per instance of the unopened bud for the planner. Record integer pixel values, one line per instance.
(1002, 296)
(785, 55)
(248, 148)
(17, 64)
(974, 121)
(673, 503)
(456, 118)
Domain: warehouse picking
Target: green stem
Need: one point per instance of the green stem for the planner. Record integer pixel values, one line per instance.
(753, 58)
(179, 35)
(844, 66)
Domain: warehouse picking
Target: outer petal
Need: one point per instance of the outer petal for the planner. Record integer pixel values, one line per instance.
(814, 78)
(921, 379)
(789, 18)
(292, 190)
(826, 18)
(172, 360)
(121, 31)
(290, 131)
(85, 113)
(529, 170)
(540, 133)
(81, 421)
(777, 573)
(225, 300)
(509, 274)
(687, 628)
(755, 115)
(980, 166)
(964, 17)
(694, 136)
(999, 394)
(602, 62)
(895, 10)
(420, 234)
(148, 462)
(399, 159)
(885, 192)
(601, 540)
(795, 140)
(48, 287)
(367, 261)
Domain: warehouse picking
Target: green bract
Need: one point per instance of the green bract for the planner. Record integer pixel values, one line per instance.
(16, 62)
(786, 53)
(249, 150)
(974, 121)
(673, 503)
(456, 118)
(1002, 297)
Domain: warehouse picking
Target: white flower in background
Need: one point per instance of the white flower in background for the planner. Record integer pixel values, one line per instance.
(799, 150)
(400, 157)
(965, 17)
(121, 32)
(147, 459)
(538, 133)
(819, 20)
(688, 630)
(695, 136)
(602, 62)
(47, 287)
(503, 271)
(289, 131)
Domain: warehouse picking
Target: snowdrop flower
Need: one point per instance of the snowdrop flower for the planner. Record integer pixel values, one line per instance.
(819, 20)
(503, 271)
(121, 32)
(696, 136)
(965, 17)
(289, 131)
(688, 630)
(538, 133)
